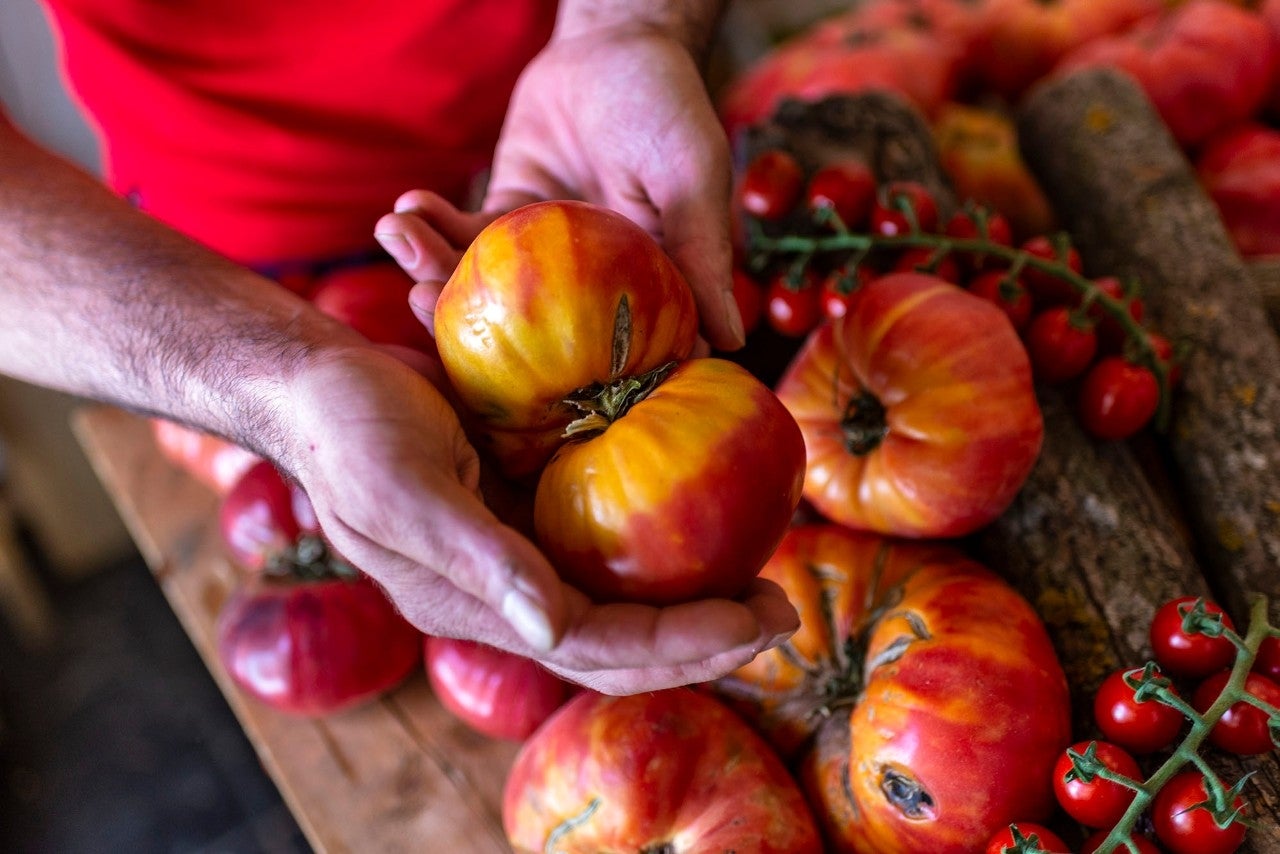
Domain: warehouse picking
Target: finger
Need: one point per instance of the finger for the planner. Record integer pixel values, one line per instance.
(419, 249)
(422, 300)
(696, 235)
(456, 226)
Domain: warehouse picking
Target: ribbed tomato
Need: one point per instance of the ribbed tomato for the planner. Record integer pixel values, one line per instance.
(921, 696)
(550, 299)
(917, 408)
(671, 771)
(212, 460)
(683, 493)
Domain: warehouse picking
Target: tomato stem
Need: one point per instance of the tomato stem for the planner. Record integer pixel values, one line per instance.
(601, 404)
(864, 424)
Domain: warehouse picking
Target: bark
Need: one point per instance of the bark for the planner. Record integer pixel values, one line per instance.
(1267, 276)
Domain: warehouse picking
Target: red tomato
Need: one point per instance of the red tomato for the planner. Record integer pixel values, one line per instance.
(1117, 398)
(749, 297)
(1193, 655)
(258, 518)
(1045, 287)
(373, 299)
(847, 187)
(1267, 661)
(1061, 344)
(770, 185)
(1163, 348)
(1093, 845)
(1004, 842)
(921, 260)
(1240, 170)
(210, 459)
(1007, 294)
(665, 771)
(549, 299)
(793, 309)
(1184, 823)
(496, 693)
(1141, 725)
(838, 291)
(889, 219)
(674, 499)
(315, 647)
(917, 409)
(1244, 728)
(921, 697)
(1111, 335)
(1098, 802)
(992, 226)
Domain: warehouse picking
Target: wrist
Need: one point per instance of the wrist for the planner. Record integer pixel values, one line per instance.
(691, 23)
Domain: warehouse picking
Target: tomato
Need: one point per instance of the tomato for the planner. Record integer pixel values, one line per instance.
(1046, 288)
(839, 288)
(1111, 335)
(666, 771)
(1141, 725)
(1193, 655)
(1240, 170)
(749, 297)
(847, 187)
(917, 409)
(496, 693)
(889, 219)
(973, 224)
(673, 499)
(921, 696)
(793, 309)
(1186, 825)
(1093, 845)
(1244, 728)
(922, 260)
(550, 299)
(1097, 802)
(770, 185)
(315, 647)
(1117, 398)
(1267, 661)
(1005, 293)
(1061, 344)
(1044, 839)
(1163, 348)
(212, 460)
(373, 299)
(263, 516)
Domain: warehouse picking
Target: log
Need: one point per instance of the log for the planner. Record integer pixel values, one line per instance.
(1266, 273)
(1132, 204)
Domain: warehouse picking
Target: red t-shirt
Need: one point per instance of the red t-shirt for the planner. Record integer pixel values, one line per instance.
(275, 130)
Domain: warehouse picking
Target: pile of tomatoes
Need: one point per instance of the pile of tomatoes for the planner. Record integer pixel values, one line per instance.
(1062, 318)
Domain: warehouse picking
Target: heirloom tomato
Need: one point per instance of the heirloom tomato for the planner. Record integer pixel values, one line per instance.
(495, 692)
(921, 694)
(373, 299)
(212, 460)
(670, 771)
(263, 515)
(681, 493)
(917, 409)
(550, 299)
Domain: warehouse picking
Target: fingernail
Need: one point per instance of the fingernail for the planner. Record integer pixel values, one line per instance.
(398, 247)
(735, 318)
(529, 621)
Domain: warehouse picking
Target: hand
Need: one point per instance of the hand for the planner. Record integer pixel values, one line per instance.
(395, 486)
(618, 116)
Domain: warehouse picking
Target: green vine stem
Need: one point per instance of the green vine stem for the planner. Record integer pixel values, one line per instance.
(764, 247)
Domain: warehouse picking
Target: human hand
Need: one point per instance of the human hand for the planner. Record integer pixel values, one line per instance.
(395, 486)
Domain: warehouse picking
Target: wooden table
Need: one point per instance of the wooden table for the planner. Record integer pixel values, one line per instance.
(397, 774)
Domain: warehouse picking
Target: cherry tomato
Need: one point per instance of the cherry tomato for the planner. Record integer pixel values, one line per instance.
(1061, 344)
(1118, 398)
(1141, 725)
(1163, 348)
(1009, 294)
(1003, 841)
(838, 291)
(1193, 655)
(1184, 823)
(1049, 289)
(1267, 661)
(793, 309)
(1244, 728)
(749, 295)
(771, 185)
(1111, 335)
(1093, 845)
(1099, 802)
(965, 225)
(920, 259)
(848, 187)
(888, 219)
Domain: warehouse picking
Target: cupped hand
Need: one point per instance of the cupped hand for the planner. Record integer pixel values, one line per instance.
(395, 486)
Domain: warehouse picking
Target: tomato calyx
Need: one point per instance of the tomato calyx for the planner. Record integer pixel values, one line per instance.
(309, 559)
(864, 424)
(603, 403)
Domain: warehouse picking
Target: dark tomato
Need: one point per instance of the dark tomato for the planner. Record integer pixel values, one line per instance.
(1007, 293)
(1244, 728)
(1111, 335)
(920, 259)
(887, 216)
(1093, 845)
(838, 290)
(1185, 825)
(1045, 287)
(1099, 802)
(994, 227)
(1003, 841)
(1163, 348)
(258, 517)
(749, 295)
(1267, 661)
(793, 310)
(847, 187)
(1140, 725)
(1061, 344)
(373, 299)
(1193, 655)
(1117, 398)
(771, 185)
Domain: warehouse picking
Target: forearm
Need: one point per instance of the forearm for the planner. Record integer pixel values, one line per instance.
(691, 22)
(101, 301)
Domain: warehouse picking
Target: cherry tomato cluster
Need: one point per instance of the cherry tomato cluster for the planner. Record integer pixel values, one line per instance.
(1068, 323)
(1141, 712)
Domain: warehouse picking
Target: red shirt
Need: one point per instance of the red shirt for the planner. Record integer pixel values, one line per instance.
(282, 129)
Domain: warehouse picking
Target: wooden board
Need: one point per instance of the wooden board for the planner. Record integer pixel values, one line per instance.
(398, 774)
